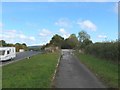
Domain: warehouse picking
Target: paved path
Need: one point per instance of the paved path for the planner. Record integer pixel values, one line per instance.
(73, 74)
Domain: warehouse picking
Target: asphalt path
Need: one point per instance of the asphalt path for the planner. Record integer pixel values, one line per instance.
(73, 74)
(20, 56)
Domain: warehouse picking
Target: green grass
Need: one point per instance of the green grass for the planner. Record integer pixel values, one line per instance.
(35, 72)
(104, 70)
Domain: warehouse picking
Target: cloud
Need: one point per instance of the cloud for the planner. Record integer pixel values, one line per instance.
(22, 36)
(87, 25)
(45, 40)
(64, 33)
(15, 36)
(45, 36)
(45, 32)
(32, 38)
(102, 36)
(63, 22)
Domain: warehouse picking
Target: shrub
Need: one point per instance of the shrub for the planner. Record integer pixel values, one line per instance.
(107, 50)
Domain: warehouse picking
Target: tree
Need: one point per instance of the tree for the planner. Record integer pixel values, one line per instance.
(3, 43)
(18, 46)
(84, 39)
(85, 43)
(21, 46)
(66, 44)
(56, 40)
(70, 43)
(10, 45)
(83, 36)
(24, 44)
(74, 40)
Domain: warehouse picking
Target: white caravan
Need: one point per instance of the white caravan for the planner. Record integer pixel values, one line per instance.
(7, 53)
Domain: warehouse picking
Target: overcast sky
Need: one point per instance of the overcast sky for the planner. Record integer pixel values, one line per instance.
(36, 22)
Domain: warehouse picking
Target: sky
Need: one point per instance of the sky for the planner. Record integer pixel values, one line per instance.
(59, 0)
(34, 23)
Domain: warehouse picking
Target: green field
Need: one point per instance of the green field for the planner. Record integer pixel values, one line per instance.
(35, 72)
(103, 69)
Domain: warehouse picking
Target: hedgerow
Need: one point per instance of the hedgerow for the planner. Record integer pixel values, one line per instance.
(106, 50)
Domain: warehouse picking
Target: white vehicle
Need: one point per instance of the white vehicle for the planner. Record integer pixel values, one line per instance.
(7, 53)
(21, 50)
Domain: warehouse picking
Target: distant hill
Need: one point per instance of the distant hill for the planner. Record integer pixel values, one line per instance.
(35, 48)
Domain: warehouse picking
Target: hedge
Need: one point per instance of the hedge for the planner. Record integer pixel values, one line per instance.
(106, 50)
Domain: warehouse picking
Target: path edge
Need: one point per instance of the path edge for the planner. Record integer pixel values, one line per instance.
(55, 72)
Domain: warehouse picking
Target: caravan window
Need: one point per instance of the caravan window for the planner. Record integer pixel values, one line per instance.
(8, 52)
(2, 52)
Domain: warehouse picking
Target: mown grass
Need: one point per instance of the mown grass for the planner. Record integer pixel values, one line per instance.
(35, 72)
(103, 69)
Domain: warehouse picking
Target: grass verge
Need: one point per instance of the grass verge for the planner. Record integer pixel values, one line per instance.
(103, 69)
(35, 72)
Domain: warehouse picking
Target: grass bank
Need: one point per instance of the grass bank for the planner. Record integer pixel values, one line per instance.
(35, 72)
(103, 69)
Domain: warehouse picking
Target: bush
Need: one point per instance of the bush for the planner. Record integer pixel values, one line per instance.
(107, 50)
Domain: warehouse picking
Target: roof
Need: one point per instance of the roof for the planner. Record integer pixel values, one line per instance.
(4, 48)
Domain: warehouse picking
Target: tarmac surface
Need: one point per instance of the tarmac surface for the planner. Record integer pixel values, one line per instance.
(20, 56)
(73, 74)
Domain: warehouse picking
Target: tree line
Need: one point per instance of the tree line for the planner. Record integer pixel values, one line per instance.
(72, 42)
(106, 50)
(58, 41)
(18, 46)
